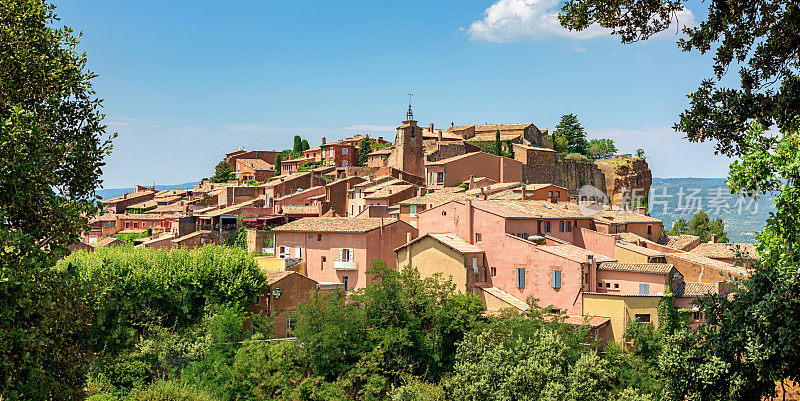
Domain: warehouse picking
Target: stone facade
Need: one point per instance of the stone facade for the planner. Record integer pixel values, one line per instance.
(542, 166)
(447, 150)
(408, 154)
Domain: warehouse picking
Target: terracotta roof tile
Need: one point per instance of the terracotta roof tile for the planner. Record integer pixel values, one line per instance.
(335, 224)
(437, 198)
(681, 242)
(531, 209)
(725, 250)
(698, 289)
(300, 210)
(622, 217)
(657, 268)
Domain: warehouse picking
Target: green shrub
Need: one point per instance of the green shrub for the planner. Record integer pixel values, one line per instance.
(576, 156)
(171, 391)
(140, 286)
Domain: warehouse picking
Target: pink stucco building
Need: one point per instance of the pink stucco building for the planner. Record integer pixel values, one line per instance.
(339, 249)
(453, 171)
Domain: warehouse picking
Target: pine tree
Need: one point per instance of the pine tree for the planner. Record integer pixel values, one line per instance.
(570, 128)
(297, 149)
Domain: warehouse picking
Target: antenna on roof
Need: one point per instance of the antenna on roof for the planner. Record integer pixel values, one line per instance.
(409, 113)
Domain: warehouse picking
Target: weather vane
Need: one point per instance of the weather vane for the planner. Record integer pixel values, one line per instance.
(409, 113)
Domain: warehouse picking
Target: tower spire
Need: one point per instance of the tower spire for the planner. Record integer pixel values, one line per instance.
(409, 113)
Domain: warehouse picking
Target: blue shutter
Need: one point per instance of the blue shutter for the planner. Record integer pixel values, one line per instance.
(521, 278)
(644, 289)
(555, 277)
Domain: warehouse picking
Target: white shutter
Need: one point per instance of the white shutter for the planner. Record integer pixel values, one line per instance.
(341, 255)
(297, 252)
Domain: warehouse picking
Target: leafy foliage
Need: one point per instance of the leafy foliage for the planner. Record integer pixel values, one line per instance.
(278, 160)
(759, 39)
(222, 172)
(601, 148)
(702, 226)
(571, 129)
(52, 145)
(173, 288)
(364, 149)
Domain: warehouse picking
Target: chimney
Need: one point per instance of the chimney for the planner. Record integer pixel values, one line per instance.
(451, 125)
(524, 191)
(471, 182)
(439, 135)
(502, 169)
(713, 239)
(408, 237)
(323, 140)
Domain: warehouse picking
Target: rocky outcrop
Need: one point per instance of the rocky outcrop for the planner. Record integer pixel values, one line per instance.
(626, 178)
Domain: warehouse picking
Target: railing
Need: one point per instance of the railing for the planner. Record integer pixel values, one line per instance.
(340, 265)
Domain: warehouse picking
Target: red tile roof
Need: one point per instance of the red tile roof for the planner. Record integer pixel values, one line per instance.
(335, 224)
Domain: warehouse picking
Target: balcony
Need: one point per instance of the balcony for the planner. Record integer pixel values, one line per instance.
(347, 266)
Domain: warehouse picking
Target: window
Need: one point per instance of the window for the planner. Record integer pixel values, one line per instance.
(547, 226)
(319, 237)
(642, 317)
(345, 255)
(298, 252)
(608, 285)
(478, 237)
(494, 271)
(127, 224)
(290, 324)
(412, 211)
(475, 265)
(561, 226)
(324, 259)
(430, 177)
(649, 230)
(599, 285)
(135, 224)
(440, 178)
(550, 194)
(697, 315)
(556, 278)
(346, 280)
(644, 289)
(616, 286)
(521, 278)
(344, 163)
(344, 151)
(569, 226)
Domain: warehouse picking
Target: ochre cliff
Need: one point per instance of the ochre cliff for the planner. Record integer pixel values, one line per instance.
(626, 178)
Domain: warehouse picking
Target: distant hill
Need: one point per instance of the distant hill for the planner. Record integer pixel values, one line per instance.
(114, 192)
(673, 198)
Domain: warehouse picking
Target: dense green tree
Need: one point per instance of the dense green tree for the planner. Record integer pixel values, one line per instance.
(305, 146)
(640, 153)
(364, 149)
(222, 172)
(750, 341)
(497, 145)
(278, 160)
(757, 41)
(297, 147)
(560, 144)
(52, 145)
(399, 325)
(570, 128)
(702, 226)
(601, 148)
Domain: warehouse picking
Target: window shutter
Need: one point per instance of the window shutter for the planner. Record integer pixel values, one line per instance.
(341, 255)
(298, 252)
(644, 289)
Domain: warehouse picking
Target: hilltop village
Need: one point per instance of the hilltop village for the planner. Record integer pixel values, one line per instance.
(507, 226)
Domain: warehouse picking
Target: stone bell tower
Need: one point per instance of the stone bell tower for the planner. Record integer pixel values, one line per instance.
(408, 153)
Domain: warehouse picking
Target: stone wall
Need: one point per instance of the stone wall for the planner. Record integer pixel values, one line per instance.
(542, 166)
(447, 150)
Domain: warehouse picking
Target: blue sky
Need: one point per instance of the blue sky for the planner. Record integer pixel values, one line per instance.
(185, 82)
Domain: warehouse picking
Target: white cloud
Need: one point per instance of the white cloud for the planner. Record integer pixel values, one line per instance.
(370, 127)
(516, 20)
